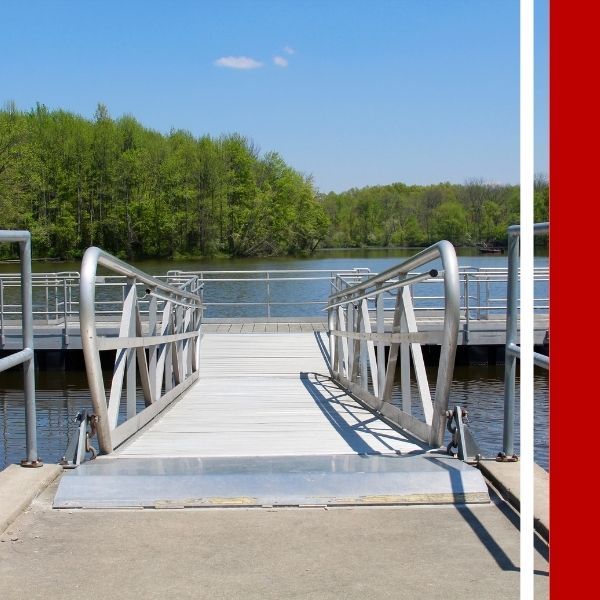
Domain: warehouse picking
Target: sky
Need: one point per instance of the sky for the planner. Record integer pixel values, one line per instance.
(352, 93)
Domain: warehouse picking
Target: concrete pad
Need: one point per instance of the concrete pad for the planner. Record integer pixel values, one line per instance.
(404, 553)
(505, 477)
(19, 486)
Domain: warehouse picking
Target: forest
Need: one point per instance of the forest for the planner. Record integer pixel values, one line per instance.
(135, 192)
(403, 215)
(113, 183)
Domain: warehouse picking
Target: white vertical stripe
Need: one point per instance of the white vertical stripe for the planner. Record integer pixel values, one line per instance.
(526, 337)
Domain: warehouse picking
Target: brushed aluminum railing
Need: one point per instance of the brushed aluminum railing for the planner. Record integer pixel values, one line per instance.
(271, 300)
(26, 355)
(513, 351)
(284, 293)
(354, 340)
(164, 351)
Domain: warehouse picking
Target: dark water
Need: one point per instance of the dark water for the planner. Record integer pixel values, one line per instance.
(60, 394)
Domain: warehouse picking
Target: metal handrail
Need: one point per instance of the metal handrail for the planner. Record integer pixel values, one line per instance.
(172, 340)
(513, 351)
(352, 344)
(269, 277)
(26, 355)
(55, 296)
(387, 288)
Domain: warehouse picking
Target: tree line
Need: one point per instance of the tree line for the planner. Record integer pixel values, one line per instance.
(403, 215)
(76, 182)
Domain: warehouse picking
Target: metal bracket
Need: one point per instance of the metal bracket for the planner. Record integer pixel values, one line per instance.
(32, 464)
(505, 458)
(79, 444)
(462, 439)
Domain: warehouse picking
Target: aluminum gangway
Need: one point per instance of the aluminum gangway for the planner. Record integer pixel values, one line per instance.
(196, 419)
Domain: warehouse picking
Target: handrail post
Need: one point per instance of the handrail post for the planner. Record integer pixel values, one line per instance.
(1, 314)
(56, 303)
(268, 296)
(89, 343)
(448, 347)
(510, 360)
(28, 365)
(65, 323)
(467, 308)
(478, 298)
(26, 355)
(332, 341)
(31, 459)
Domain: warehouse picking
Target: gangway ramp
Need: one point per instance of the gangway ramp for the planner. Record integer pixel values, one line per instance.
(265, 425)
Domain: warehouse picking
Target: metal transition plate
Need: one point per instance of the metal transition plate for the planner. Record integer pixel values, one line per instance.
(327, 480)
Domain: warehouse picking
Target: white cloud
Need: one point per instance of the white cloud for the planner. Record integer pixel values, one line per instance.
(280, 61)
(238, 62)
(288, 50)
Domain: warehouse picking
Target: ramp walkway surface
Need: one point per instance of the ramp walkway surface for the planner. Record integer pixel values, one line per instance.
(264, 425)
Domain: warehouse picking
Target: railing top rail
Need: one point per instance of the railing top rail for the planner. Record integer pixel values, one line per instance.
(264, 279)
(352, 271)
(443, 249)
(45, 274)
(386, 288)
(95, 256)
(538, 229)
(7, 235)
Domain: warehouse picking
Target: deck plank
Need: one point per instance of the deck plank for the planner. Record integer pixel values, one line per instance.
(261, 394)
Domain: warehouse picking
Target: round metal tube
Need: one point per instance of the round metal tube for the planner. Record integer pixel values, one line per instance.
(16, 358)
(29, 364)
(402, 283)
(447, 255)
(89, 343)
(404, 268)
(510, 362)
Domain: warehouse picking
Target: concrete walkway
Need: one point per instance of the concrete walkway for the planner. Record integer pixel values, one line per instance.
(409, 552)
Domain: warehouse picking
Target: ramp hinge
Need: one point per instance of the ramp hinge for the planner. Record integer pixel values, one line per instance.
(467, 448)
(80, 444)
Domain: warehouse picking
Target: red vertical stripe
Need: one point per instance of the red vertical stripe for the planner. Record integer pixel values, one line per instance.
(574, 329)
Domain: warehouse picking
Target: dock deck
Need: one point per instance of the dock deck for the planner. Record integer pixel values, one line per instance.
(478, 332)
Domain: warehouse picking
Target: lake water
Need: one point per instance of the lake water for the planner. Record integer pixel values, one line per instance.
(60, 395)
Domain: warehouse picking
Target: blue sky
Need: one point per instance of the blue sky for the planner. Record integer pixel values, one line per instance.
(364, 93)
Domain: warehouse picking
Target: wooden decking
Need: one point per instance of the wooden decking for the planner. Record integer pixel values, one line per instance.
(266, 394)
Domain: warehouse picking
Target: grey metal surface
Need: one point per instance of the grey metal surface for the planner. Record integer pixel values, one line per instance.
(259, 395)
(26, 357)
(284, 481)
(513, 351)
